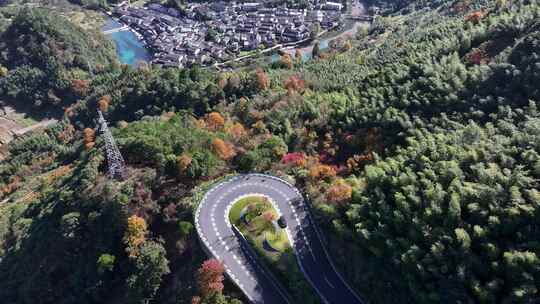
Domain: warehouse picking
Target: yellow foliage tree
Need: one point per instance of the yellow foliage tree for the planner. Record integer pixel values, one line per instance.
(260, 127)
(3, 71)
(135, 235)
(347, 46)
(287, 61)
(237, 131)
(339, 192)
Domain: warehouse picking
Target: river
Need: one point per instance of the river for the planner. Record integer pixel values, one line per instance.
(129, 48)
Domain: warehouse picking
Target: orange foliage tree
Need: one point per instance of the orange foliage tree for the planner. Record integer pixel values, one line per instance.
(15, 183)
(295, 84)
(356, 161)
(322, 171)
(223, 149)
(262, 79)
(135, 235)
(339, 192)
(214, 121)
(298, 56)
(80, 86)
(237, 131)
(210, 278)
(89, 137)
(183, 162)
(69, 111)
(103, 103)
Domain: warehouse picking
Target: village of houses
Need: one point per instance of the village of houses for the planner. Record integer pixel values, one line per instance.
(207, 33)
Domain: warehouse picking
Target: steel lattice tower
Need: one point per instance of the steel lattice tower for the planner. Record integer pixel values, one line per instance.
(115, 161)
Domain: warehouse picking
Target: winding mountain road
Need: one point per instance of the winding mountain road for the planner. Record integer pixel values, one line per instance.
(224, 243)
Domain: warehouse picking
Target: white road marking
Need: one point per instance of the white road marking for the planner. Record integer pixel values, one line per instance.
(328, 282)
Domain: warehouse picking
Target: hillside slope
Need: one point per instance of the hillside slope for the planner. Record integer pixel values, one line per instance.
(50, 62)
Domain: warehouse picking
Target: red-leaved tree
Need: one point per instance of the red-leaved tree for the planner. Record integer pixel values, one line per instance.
(296, 158)
(475, 17)
(210, 277)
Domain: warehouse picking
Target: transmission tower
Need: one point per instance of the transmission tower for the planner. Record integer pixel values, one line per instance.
(115, 161)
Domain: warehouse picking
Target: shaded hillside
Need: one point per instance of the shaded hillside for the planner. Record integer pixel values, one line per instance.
(50, 61)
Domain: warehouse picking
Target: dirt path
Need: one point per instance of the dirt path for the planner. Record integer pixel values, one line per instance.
(14, 124)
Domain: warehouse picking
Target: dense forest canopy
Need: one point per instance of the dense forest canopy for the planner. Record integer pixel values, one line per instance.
(50, 62)
(418, 142)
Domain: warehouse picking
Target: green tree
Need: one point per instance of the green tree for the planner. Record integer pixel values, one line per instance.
(105, 263)
(148, 270)
(185, 228)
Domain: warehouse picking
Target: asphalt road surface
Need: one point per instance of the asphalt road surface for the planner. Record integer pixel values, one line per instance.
(218, 236)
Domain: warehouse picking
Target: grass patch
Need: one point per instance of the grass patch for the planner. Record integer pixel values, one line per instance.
(258, 225)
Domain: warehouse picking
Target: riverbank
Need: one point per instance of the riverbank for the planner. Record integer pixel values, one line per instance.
(129, 47)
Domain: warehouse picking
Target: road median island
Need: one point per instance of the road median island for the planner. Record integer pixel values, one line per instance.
(256, 220)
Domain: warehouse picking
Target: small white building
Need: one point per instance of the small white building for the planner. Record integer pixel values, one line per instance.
(334, 6)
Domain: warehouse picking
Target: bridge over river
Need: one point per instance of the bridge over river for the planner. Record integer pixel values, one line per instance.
(115, 30)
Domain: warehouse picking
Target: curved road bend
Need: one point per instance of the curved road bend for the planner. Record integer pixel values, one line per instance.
(212, 223)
